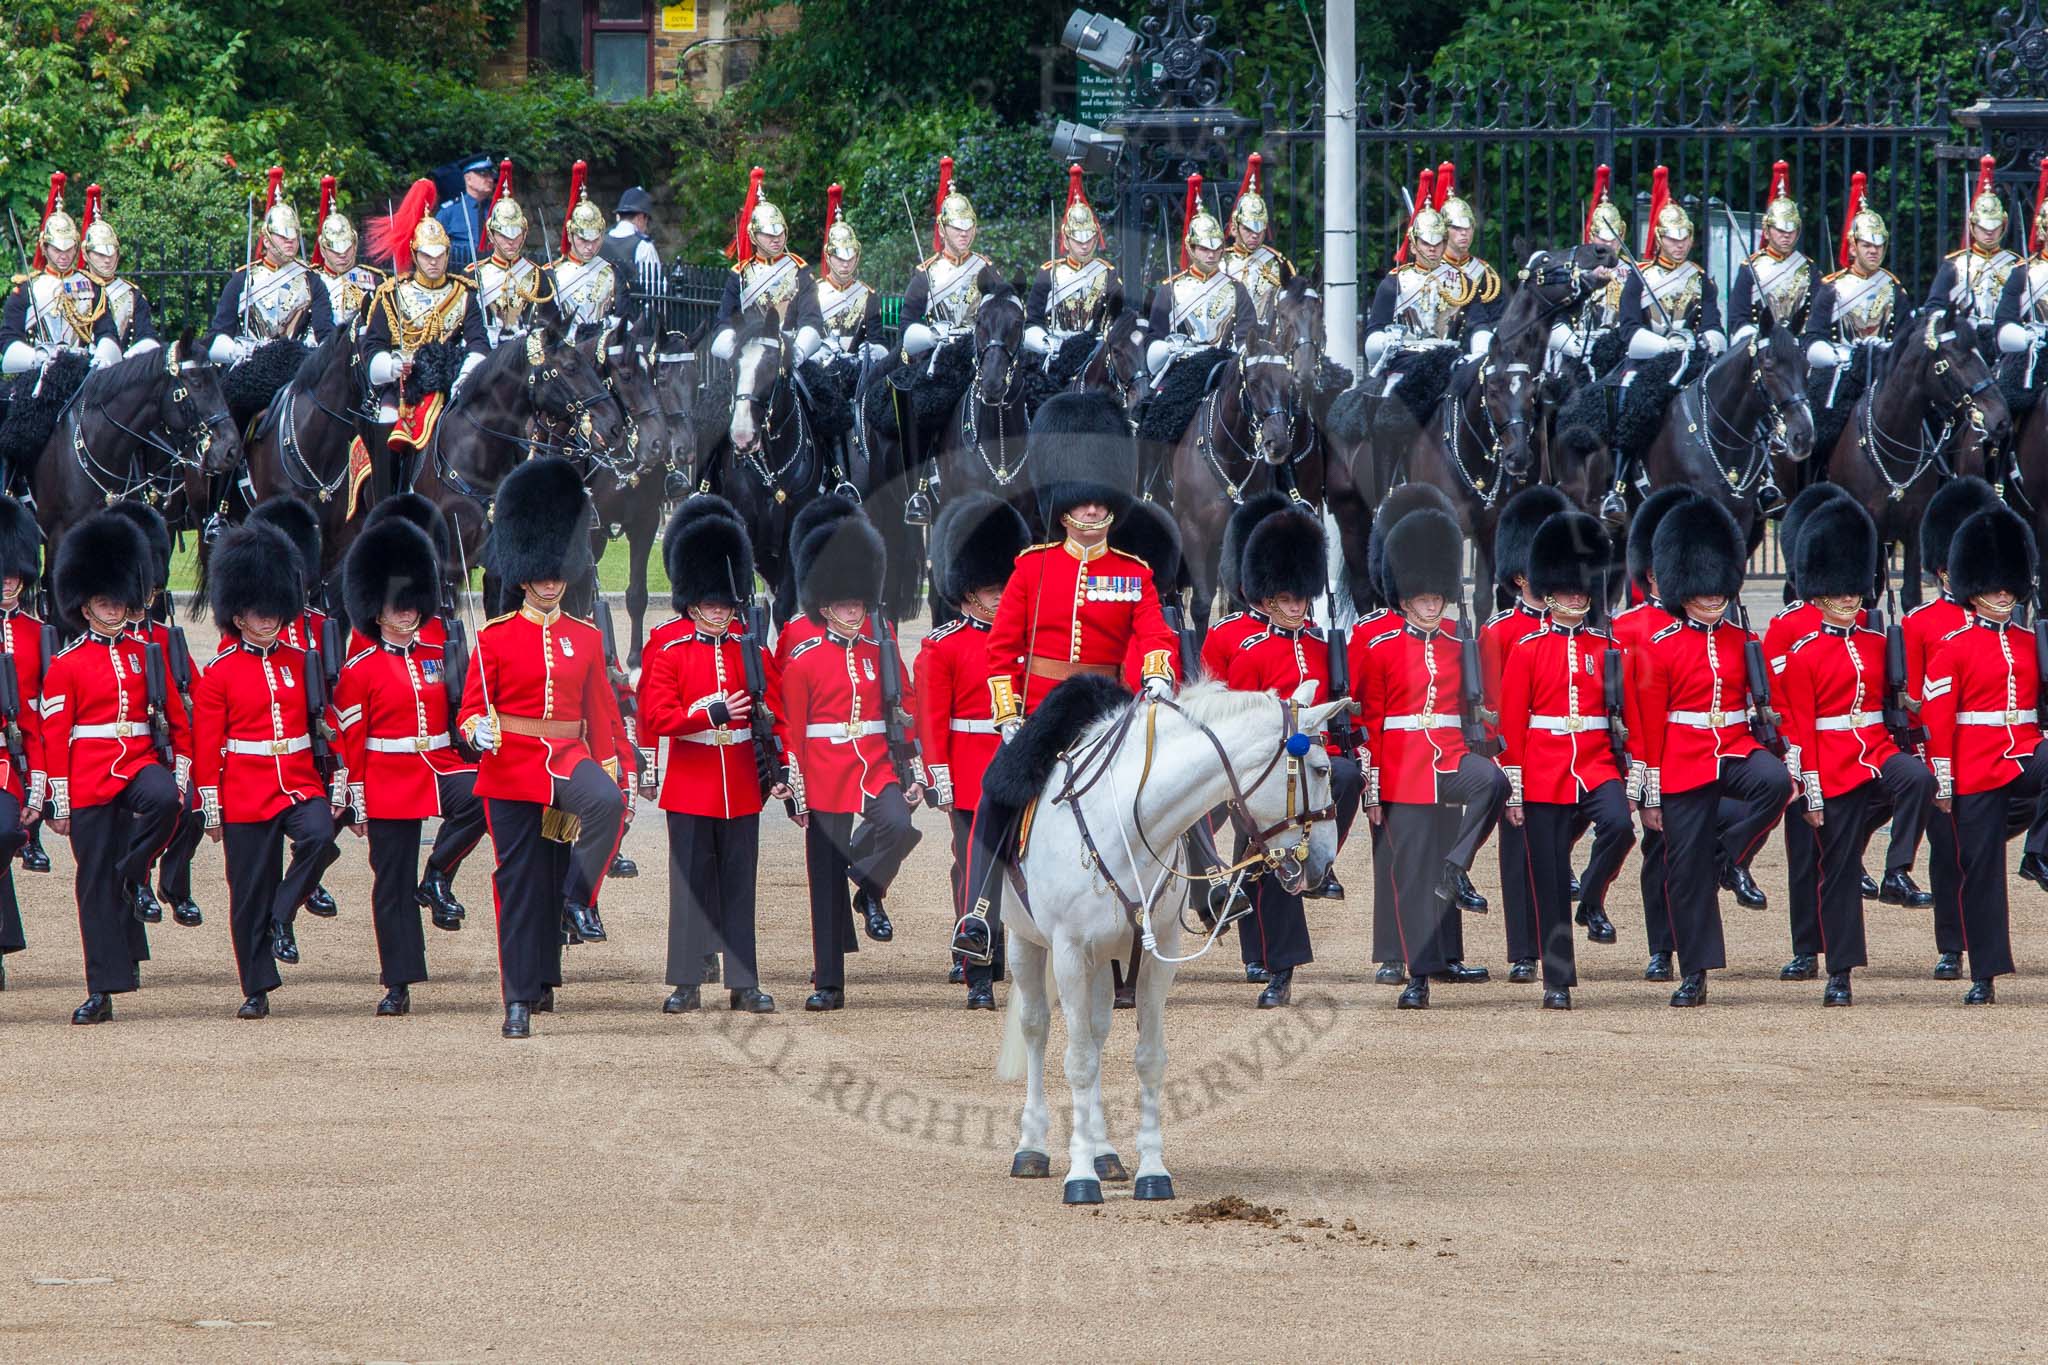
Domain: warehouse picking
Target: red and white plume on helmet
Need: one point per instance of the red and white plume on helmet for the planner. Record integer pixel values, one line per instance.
(741, 247)
(1987, 175)
(1856, 186)
(1424, 183)
(320, 219)
(577, 173)
(1660, 195)
(1446, 183)
(1601, 175)
(502, 186)
(52, 204)
(391, 236)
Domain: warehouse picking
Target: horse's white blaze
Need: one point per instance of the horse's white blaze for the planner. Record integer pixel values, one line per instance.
(743, 431)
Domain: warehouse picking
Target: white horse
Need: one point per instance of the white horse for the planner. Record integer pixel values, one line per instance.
(1144, 775)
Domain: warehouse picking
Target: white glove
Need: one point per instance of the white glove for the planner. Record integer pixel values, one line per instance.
(1377, 344)
(1007, 730)
(144, 347)
(384, 368)
(470, 366)
(918, 338)
(1036, 341)
(1159, 688)
(1476, 345)
(1560, 336)
(1717, 341)
(721, 345)
(1821, 355)
(224, 350)
(1646, 345)
(873, 352)
(484, 736)
(106, 351)
(807, 342)
(2014, 339)
(22, 357)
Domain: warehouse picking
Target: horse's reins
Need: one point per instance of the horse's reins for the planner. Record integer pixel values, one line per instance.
(1207, 427)
(1720, 432)
(196, 438)
(755, 461)
(1000, 468)
(1928, 454)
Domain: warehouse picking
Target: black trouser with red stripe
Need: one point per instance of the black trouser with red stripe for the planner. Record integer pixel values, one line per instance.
(174, 868)
(395, 874)
(261, 888)
(13, 838)
(1904, 792)
(837, 852)
(113, 845)
(712, 863)
(1738, 810)
(1420, 840)
(536, 876)
(1276, 932)
(1984, 822)
(1547, 835)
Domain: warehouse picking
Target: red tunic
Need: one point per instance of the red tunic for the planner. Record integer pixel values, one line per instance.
(1688, 700)
(546, 668)
(1924, 627)
(831, 722)
(1831, 693)
(22, 637)
(704, 758)
(392, 708)
(252, 751)
(1633, 628)
(1219, 646)
(1498, 638)
(1408, 684)
(1061, 610)
(1553, 716)
(1982, 691)
(953, 725)
(96, 721)
(1278, 661)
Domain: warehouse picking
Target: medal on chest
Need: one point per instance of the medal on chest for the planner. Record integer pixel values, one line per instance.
(1109, 588)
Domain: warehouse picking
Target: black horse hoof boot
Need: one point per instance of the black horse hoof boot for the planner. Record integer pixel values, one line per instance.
(284, 943)
(1804, 967)
(1981, 993)
(1390, 974)
(684, 1000)
(874, 919)
(1948, 967)
(1082, 1192)
(584, 919)
(1557, 998)
(256, 1006)
(518, 1020)
(397, 1003)
(1659, 968)
(1416, 997)
(1522, 972)
(1898, 888)
(320, 902)
(97, 1009)
(186, 912)
(623, 868)
(1150, 1187)
(1691, 991)
(1279, 991)
(1837, 992)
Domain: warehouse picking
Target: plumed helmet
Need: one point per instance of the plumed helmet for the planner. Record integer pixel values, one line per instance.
(586, 220)
(1987, 208)
(1837, 552)
(1286, 553)
(281, 220)
(766, 221)
(1244, 518)
(956, 210)
(1643, 527)
(1080, 449)
(975, 544)
(540, 525)
(103, 556)
(1952, 504)
(1458, 212)
(1401, 503)
(1249, 210)
(1425, 554)
(21, 543)
(1428, 228)
(1607, 225)
(1516, 529)
(841, 240)
(242, 577)
(1994, 549)
(710, 560)
(708, 505)
(1674, 221)
(101, 239)
(1204, 230)
(337, 233)
(391, 565)
(1148, 531)
(1869, 226)
(154, 531)
(300, 525)
(422, 513)
(1698, 552)
(1792, 526)
(1781, 211)
(1079, 224)
(1569, 553)
(506, 218)
(429, 238)
(60, 229)
(841, 561)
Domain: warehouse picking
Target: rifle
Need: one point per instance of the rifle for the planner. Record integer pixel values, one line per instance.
(1190, 649)
(1471, 687)
(1763, 725)
(629, 705)
(768, 764)
(1898, 708)
(178, 655)
(1614, 694)
(2040, 645)
(1342, 728)
(903, 746)
(158, 693)
(10, 716)
(321, 737)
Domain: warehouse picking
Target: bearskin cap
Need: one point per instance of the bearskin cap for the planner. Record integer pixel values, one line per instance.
(1147, 531)
(975, 544)
(688, 511)
(710, 559)
(1286, 553)
(1425, 553)
(540, 525)
(1394, 509)
(1642, 529)
(1793, 524)
(150, 522)
(421, 512)
(1244, 518)
(819, 511)
(242, 577)
(1993, 549)
(102, 556)
(1836, 554)
(1569, 553)
(392, 564)
(1697, 552)
(21, 543)
(1081, 450)
(1954, 503)
(841, 561)
(301, 527)
(1516, 530)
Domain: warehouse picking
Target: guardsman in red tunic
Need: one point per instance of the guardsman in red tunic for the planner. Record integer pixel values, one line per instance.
(1074, 605)
(1632, 630)
(1689, 721)
(399, 760)
(697, 712)
(1833, 696)
(1284, 570)
(1558, 742)
(108, 788)
(25, 783)
(1410, 687)
(253, 753)
(975, 544)
(1512, 536)
(839, 763)
(1924, 628)
(538, 706)
(1982, 713)
(427, 518)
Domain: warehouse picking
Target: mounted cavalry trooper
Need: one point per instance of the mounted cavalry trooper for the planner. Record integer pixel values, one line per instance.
(1461, 226)
(348, 282)
(57, 306)
(1077, 293)
(2022, 316)
(947, 287)
(134, 326)
(1972, 280)
(1203, 306)
(510, 288)
(1600, 315)
(1778, 277)
(272, 297)
(421, 305)
(1856, 309)
(585, 290)
(1425, 304)
(767, 277)
(849, 308)
(1252, 260)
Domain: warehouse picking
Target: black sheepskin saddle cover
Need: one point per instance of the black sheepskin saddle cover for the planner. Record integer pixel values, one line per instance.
(254, 384)
(1021, 768)
(32, 413)
(1173, 403)
(828, 393)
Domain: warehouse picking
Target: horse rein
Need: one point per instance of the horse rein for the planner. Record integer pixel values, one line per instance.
(196, 438)
(1767, 437)
(1959, 405)
(1255, 453)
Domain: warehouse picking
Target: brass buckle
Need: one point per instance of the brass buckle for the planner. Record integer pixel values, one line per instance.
(422, 743)
(1717, 719)
(1575, 724)
(721, 737)
(852, 730)
(2012, 717)
(1428, 720)
(124, 729)
(277, 747)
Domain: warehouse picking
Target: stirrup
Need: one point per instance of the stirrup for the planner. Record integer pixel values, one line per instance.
(1770, 499)
(917, 509)
(973, 940)
(1232, 907)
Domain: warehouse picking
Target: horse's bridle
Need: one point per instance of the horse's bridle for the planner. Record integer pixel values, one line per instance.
(195, 437)
(1769, 436)
(756, 460)
(1290, 408)
(1955, 399)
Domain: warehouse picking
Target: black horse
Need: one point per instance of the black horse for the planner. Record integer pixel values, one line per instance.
(981, 448)
(301, 444)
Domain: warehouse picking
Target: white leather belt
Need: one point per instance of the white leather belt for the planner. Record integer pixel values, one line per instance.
(845, 731)
(1854, 720)
(417, 745)
(2025, 717)
(1709, 720)
(269, 748)
(972, 727)
(1425, 720)
(1567, 725)
(719, 736)
(125, 729)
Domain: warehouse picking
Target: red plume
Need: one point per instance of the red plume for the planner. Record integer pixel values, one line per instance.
(938, 201)
(2040, 194)
(1601, 175)
(276, 182)
(1423, 185)
(1987, 170)
(1660, 195)
(1250, 183)
(1781, 180)
(1075, 194)
(1856, 184)
(92, 208)
(50, 206)
(326, 207)
(503, 186)
(833, 196)
(741, 247)
(1187, 214)
(576, 174)
(391, 237)
(1446, 183)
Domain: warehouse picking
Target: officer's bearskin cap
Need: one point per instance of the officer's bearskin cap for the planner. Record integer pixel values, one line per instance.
(21, 543)
(102, 556)
(1836, 554)
(1286, 554)
(819, 511)
(711, 560)
(1642, 528)
(1954, 503)
(392, 564)
(975, 544)
(1698, 552)
(1244, 518)
(1992, 550)
(151, 523)
(1400, 504)
(1148, 531)
(1516, 530)
(1081, 450)
(841, 561)
(421, 512)
(540, 526)
(1569, 553)
(300, 525)
(1798, 515)
(242, 578)
(688, 511)
(1425, 554)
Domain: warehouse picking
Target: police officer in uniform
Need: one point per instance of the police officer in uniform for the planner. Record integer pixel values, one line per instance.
(767, 276)
(1972, 280)
(1078, 292)
(348, 282)
(1252, 260)
(1777, 278)
(510, 288)
(461, 218)
(631, 251)
(57, 306)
